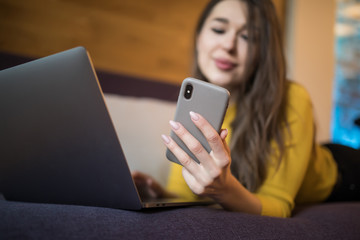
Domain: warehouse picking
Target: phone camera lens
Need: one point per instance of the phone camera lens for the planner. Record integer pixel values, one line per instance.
(188, 91)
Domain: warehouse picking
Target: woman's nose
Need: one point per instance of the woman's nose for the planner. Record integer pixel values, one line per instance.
(229, 42)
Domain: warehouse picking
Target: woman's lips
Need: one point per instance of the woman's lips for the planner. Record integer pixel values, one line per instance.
(224, 64)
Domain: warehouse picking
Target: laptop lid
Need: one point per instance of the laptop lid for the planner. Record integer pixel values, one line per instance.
(57, 140)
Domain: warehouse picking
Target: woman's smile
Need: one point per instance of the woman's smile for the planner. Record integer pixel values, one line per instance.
(224, 64)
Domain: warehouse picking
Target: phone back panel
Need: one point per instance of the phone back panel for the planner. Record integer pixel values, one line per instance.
(207, 99)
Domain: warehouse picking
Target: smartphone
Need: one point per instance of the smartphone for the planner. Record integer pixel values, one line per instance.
(209, 100)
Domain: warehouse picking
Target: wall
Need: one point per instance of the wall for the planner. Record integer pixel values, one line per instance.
(147, 38)
(310, 48)
(153, 39)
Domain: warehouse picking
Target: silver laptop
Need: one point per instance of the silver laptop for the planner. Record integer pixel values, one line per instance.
(57, 141)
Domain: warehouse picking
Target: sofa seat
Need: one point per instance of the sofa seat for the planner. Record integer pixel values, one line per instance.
(50, 221)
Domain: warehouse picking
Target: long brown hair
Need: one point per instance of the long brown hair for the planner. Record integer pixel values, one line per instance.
(260, 116)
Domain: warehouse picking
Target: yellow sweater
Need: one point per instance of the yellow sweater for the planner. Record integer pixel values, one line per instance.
(305, 175)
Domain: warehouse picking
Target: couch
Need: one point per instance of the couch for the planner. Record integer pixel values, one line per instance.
(131, 100)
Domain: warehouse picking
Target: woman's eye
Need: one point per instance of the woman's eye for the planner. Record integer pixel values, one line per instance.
(218, 30)
(244, 36)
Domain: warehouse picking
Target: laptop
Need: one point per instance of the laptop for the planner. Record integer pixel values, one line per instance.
(57, 141)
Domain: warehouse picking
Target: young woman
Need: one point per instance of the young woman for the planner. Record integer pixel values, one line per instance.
(265, 159)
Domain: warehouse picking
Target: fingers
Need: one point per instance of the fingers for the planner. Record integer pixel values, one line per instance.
(200, 176)
(183, 158)
(196, 148)
(207, 165)
(193, 184)
(216, 141)
(139, 178)
(147, 186)
(198, 171)
(220, 153)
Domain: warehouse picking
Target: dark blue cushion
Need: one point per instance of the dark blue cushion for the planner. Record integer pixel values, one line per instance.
(50, 221)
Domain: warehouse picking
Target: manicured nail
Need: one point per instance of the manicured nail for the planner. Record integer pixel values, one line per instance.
(194, 116)
(174, 125)
(165, 138)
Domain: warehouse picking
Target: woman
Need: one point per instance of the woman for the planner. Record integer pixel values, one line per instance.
(272, 160)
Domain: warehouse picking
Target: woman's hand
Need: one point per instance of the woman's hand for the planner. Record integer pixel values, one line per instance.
(212, 177)
(148, 187)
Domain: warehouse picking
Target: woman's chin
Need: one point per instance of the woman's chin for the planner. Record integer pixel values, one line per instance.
(222, 81)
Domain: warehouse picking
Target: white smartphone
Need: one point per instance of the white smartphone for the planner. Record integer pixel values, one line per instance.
(209, 100)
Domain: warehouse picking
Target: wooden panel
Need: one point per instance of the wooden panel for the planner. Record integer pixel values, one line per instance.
(150, 38)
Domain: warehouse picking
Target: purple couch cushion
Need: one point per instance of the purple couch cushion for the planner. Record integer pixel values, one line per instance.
(49, 221)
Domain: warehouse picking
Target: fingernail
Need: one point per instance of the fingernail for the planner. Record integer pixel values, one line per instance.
(165, 138)
(174, 125)
(194, 116)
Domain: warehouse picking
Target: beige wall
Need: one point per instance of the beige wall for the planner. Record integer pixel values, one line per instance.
(310, 38)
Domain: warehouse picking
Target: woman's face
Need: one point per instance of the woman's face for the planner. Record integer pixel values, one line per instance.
(222, 44)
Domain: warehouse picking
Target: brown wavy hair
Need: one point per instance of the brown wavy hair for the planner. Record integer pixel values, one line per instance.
(260, 116)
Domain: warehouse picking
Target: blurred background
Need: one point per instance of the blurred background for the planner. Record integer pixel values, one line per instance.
(152, 39)
(346, 105)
